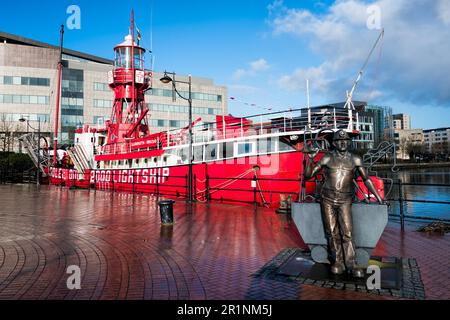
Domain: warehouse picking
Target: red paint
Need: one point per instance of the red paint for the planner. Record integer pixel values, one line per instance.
(228, 175)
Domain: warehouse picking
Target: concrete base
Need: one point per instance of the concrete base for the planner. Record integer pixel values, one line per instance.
(369, 221)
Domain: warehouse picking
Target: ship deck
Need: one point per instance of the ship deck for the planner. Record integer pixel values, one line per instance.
(212, 252)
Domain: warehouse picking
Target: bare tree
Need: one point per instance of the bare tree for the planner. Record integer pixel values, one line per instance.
(402, 146)
(440, 147)
(6, 131)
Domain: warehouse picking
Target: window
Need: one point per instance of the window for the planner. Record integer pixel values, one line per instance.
(244, 148)
(25, 99)
(8, 80)
(33, 99)
(227, 150)
(17, 99)
(7, 98)
(17, 80)
(211, 152)
(266, 145)
(41, 100)
(283, 146)
(98, 120)
(34, 81)
(198, 153)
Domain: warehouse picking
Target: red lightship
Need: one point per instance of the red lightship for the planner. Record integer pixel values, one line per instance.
(231, 160)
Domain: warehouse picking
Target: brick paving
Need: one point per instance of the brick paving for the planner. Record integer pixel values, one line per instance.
(210, 253)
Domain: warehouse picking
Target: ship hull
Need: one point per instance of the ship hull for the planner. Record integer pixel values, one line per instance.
(262, 179)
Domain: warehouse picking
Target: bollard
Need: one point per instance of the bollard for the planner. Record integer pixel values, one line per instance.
(166, 211)
(400, 198)
(207, 195)
(255, 202)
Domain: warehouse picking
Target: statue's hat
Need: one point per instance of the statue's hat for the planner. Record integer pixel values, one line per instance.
(341, 135)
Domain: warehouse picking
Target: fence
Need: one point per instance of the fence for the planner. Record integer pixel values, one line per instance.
(17, 176)
(402, 201)
(178, 186)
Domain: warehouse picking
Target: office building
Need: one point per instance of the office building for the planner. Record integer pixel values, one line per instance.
(437, 140)
(402, 121)
(28, 73)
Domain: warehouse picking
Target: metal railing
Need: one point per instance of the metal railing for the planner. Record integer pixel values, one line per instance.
(402, 201)
(10, 175)
(177, 186)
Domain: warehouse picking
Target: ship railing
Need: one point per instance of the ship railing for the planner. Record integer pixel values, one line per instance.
(116, 148)
(275, 123)
(252, 126)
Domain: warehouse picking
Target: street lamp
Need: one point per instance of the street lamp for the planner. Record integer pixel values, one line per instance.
(39, 144)
(167, 79)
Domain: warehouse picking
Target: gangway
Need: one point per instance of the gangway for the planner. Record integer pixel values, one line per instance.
(38, 155)
(79, 158)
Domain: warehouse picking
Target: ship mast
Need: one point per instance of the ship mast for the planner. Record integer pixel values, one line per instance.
(58, 94)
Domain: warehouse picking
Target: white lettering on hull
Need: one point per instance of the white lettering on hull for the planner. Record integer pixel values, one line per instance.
(140, 176)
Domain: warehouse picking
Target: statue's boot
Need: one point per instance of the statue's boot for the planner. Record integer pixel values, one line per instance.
(358, 272)
(337, 268)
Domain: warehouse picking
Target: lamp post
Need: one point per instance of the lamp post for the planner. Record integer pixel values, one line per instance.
(167, 79)
(38, 143)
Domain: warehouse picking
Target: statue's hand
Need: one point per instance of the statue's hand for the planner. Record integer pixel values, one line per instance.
(311, 152)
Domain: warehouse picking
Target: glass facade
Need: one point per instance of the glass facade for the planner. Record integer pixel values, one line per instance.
(100, 103)
(180, 109)
(195, 95)
(378, 116)
(99, 86)
(72, 103)
(42, 117)
(99, 120)
(24, 99)
(25, 81)
(163, 124)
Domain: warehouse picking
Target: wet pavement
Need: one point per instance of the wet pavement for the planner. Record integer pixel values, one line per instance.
(211, 252)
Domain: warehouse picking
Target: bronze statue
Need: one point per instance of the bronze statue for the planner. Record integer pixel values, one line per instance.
(339, 168)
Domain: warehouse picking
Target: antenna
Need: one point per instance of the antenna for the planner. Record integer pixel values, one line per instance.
(151, 27)
(151, 38)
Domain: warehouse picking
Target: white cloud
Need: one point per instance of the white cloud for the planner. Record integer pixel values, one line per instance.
(443, 10)
(259, 65)
(254, 68)
(414, 63)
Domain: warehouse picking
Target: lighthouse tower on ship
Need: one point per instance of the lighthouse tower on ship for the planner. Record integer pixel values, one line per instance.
(129, 81)
(128, 121)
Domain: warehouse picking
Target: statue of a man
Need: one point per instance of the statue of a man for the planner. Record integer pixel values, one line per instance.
(339, 168)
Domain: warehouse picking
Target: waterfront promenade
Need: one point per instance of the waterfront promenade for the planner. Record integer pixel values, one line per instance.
(210, 253)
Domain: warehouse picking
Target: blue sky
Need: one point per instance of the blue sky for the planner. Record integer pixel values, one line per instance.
(263, 50)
